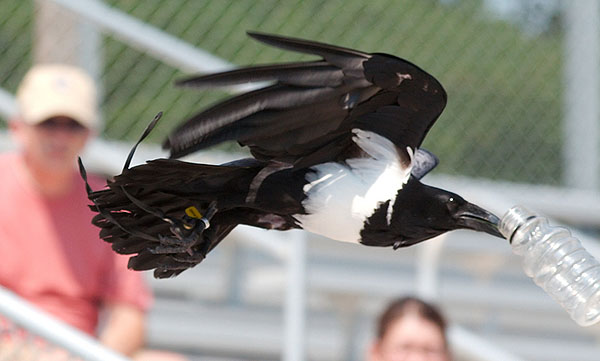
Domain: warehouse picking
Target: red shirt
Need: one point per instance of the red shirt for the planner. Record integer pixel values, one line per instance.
(51, 254)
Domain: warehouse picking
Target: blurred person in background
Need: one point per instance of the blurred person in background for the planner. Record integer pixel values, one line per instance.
(410, 329)
(51, 253)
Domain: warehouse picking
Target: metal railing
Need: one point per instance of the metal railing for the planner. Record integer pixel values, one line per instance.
(36, 322)
(144, 37)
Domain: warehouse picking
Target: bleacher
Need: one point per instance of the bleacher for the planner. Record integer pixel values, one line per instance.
(209, 311)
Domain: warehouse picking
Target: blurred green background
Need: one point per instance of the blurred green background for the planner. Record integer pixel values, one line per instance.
(502, 74)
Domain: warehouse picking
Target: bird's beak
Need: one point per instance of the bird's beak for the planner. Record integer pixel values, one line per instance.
(476, 218)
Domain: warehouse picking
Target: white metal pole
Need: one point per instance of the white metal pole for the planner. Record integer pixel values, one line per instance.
(427, 268)
(39, 323)
(582, 93)
(62, 36)
(295, 304)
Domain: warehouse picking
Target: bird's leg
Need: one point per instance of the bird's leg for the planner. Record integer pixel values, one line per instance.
(186, 233)
(188, 242)
(184, 260)
(188, 238)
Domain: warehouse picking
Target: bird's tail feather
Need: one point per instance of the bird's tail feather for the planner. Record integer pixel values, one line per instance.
(165, 212)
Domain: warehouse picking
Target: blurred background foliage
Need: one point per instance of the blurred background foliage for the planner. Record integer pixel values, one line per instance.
(501, 69)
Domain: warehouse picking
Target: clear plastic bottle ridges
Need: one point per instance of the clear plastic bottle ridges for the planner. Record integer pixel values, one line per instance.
(557, 262)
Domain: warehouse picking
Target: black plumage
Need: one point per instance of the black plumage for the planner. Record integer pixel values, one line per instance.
(335, 146)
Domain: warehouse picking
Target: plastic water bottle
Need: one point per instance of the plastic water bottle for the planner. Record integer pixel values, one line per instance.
(557, 262)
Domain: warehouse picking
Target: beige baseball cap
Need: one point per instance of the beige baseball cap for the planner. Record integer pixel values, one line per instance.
(50, 90)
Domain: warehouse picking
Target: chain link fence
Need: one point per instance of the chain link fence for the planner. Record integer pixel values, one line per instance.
(501, 66)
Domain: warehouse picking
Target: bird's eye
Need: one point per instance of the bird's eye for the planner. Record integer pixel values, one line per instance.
(451, 204)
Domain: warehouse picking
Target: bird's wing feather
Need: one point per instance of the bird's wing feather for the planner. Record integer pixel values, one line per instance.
(318, 73)
(307, 112)
(336, 55)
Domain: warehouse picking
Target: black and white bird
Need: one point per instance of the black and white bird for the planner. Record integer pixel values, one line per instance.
(335, 146)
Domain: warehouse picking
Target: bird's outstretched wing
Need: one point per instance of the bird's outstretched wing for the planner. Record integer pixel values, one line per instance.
(306, 112)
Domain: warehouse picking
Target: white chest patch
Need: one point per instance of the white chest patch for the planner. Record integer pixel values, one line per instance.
(341, 197)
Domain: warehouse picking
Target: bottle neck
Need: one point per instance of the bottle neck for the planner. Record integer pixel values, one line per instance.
(513, 219)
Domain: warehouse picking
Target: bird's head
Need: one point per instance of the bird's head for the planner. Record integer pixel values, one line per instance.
(425, 212)
(470, 216)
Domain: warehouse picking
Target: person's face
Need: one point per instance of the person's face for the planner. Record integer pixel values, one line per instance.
(52, 144)
(411, 338)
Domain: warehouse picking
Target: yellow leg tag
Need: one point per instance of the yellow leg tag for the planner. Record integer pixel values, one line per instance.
(193, 212)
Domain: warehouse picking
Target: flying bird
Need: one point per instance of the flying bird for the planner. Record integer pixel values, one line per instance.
(335, 151)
